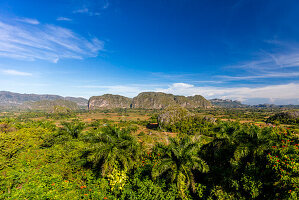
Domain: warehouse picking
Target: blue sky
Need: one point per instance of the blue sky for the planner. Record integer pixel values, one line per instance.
(237, 49)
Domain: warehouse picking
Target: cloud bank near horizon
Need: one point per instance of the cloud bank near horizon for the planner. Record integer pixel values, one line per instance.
(276, 94)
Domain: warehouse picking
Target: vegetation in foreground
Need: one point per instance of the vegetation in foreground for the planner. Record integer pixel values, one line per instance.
(65, 156)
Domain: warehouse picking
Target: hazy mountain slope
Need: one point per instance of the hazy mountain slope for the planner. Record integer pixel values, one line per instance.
(226, 103)
(11, 99)
(58, 105)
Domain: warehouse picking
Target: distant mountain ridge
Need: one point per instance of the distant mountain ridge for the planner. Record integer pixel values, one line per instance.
(16, 99)
(144, 100)
(227, 103)
(58, 105)
(147, 100)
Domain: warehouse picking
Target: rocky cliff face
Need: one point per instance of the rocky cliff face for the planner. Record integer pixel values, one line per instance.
(147, 100)
(196, 101)
(159, 100)
(108, 101)
(153, 100)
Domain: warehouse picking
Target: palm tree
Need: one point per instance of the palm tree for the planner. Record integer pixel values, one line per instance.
(237, 151)
(248, 141)
(73, 128)
(179, 160)
(113, 147)
(251, 143)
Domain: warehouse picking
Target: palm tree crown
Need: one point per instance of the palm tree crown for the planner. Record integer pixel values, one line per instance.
(180, 159)
(112, 146)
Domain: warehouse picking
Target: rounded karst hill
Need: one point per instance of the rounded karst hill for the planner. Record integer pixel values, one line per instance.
(108, 101)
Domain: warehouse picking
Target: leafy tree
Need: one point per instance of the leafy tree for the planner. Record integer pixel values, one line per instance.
(110, 147)
(179, 160)
(73, 128)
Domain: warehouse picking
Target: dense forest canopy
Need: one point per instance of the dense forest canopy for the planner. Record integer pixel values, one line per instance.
(80, 155)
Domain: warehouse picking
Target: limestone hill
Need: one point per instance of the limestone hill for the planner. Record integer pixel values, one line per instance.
(147, 100)
(108, 101)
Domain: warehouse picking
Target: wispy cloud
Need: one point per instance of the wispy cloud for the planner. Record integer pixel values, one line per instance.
(28, 20)
(106, 4)
(63, 19)
(283, 55)
(262, 76)
(15, 72)
(281, 62)
(92, 7)
(125, 90)
(45, 42)
(86, 11)
(82, 10)
(272, 61)
(211, 82)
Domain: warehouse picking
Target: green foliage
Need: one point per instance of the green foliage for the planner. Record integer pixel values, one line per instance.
(111, 147)
(178, 119)
(284, 161)
(49, 159)
(285, 118)
(179, 159)
(117, 179)
(73, 128)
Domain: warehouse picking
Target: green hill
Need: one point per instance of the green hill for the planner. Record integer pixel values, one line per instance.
(58, 105)
(108, 101)
(159, 100)
(147, 100)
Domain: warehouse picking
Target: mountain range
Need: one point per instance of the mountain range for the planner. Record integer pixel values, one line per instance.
(144, 100)
(17, 100)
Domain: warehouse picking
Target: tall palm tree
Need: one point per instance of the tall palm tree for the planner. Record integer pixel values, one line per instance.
(112, 146)
(179, 160)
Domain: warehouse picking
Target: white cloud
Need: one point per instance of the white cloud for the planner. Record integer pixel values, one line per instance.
(45, 42)
(63, 19)
(273, 92)
(281, 62)
(82, 10)
(86, 11)
(266, 75)
(182, 85)
(15, 72)
(28, 20)
(92, 8)
(128, 91)
(280, 94)
(271, 61)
